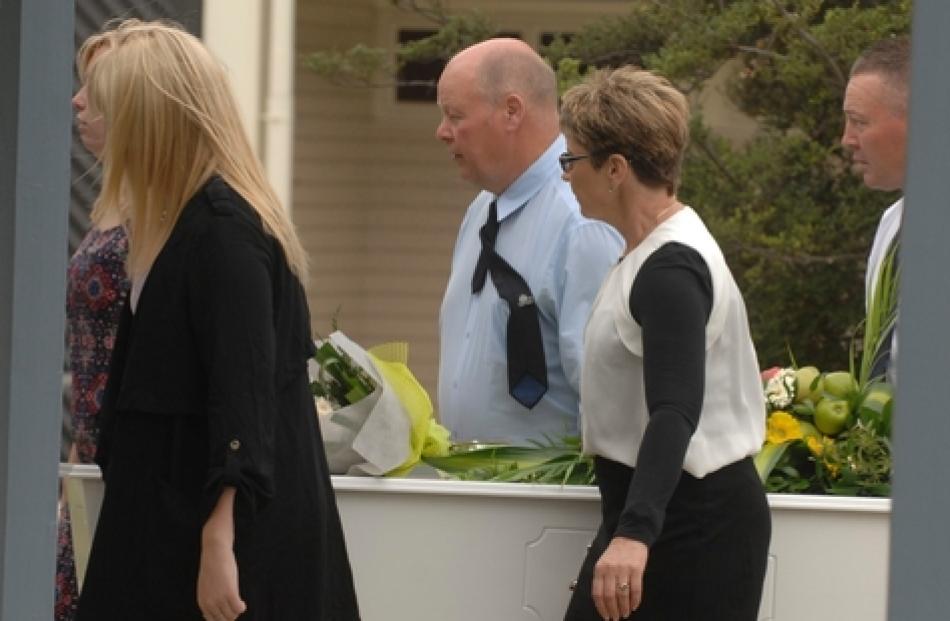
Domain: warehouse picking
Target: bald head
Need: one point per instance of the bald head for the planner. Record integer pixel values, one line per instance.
(505, 66)
(499, 111)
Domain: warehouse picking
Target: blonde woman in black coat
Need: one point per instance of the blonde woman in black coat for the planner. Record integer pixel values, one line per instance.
(217, 501)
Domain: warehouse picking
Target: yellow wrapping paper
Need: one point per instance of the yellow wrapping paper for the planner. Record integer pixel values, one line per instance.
(427, 435)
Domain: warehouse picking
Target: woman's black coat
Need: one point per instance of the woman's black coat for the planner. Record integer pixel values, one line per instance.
(209, 388)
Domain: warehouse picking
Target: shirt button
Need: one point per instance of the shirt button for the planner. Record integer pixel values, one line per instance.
(235, 445)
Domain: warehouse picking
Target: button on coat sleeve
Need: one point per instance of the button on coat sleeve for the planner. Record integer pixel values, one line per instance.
(231, 305)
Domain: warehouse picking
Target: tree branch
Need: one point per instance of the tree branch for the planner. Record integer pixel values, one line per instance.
(792, 258)
(754, 50)
(811, 40)
(433, 11)
(720, 166)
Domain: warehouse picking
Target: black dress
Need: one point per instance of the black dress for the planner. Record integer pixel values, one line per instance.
(209, 388)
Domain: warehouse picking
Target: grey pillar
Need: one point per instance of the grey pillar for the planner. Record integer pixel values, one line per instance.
(920, 542)
(36, 43)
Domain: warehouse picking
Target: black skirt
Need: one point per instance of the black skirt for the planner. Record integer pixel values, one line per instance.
(710, 559)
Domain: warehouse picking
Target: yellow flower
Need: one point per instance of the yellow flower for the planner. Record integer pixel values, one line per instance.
(833, 469)
(816, 446)
(782, 427)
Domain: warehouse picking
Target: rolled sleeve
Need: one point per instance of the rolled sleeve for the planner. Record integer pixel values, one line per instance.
(231, 304)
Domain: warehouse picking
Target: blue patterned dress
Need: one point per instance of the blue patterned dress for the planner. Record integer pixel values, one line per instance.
(96, 289)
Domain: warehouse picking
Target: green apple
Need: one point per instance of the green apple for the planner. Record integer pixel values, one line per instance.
(878, 396)
(840, 384)
(804, 378)
(876, 407)
(831, 415)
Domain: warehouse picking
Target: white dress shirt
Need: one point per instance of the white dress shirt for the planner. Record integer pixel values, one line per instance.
(887, 229)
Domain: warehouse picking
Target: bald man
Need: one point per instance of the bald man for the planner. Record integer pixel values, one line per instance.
(527, 265)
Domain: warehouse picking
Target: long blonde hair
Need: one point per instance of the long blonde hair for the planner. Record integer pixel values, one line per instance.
(171, 123)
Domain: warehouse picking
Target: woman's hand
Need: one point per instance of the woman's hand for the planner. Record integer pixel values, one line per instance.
(618, 578)
(218, 595)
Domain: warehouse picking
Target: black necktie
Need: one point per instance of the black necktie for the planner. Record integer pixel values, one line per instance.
(882, 357)
(527, 370)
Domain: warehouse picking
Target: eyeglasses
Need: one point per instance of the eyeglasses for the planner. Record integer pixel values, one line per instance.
(567, 159)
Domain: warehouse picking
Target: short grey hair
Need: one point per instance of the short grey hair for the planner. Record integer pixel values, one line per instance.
(890, 59)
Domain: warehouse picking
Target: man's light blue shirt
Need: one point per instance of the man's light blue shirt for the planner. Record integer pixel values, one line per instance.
(563, 256)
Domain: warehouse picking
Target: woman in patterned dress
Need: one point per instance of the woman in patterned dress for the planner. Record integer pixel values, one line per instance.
(97, 287)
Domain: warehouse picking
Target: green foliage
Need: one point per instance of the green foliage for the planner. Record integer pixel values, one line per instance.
(360, 65)
(882, 314)
(369, 66)
(457, 32)
(339, 380)
(794, 223)
(796, 232)
(858, 463)
(553, 462)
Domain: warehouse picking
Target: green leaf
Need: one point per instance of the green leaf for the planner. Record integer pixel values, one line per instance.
(768, 458)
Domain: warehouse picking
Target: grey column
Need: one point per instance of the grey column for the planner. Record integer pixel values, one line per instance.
(920, 538)
(36, 43)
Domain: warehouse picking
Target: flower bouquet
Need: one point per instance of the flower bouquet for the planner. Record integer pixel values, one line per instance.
(375, 417)
(826, 433)
(830, 432)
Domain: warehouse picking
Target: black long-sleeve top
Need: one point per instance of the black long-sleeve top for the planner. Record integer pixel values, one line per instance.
(671, 298)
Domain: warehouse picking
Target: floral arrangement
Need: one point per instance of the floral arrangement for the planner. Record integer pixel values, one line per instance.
(826, 433)
(375, 417)
(339, 381)
(830, 432)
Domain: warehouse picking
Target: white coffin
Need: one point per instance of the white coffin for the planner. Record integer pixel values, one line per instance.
(471, 551)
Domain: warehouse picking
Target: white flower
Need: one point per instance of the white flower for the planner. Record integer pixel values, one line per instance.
(324, 407)
(780, 389)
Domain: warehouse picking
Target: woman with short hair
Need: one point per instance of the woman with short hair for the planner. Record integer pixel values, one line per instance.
(671, 404)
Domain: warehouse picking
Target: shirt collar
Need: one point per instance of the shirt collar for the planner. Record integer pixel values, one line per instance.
(532, 180)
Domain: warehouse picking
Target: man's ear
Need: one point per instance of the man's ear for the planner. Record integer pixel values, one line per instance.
(514, 110)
